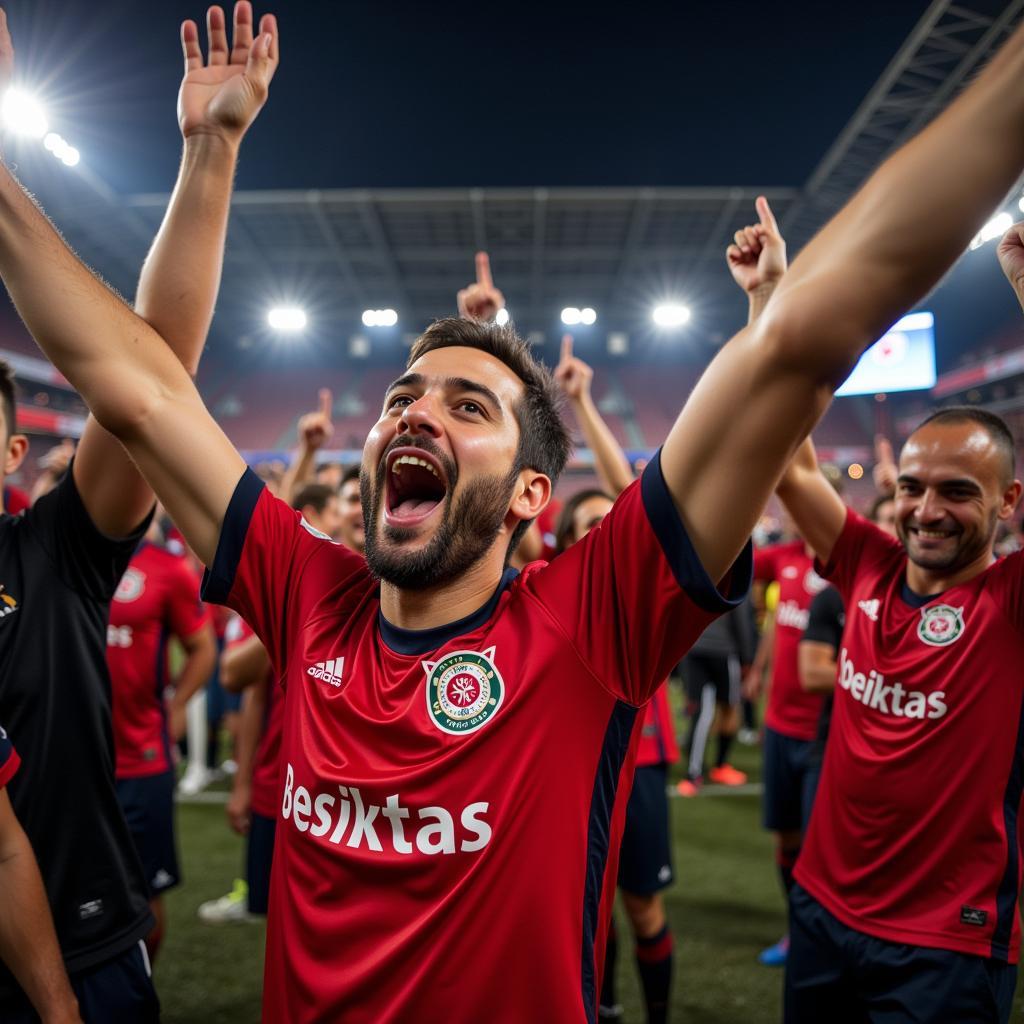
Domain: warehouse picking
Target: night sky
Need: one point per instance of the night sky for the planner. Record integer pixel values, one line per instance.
(405, 94)
(460, 94)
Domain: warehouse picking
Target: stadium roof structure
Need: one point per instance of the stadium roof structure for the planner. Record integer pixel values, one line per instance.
(339, 252)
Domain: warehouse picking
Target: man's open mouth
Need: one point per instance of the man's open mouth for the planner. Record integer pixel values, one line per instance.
(414, 487)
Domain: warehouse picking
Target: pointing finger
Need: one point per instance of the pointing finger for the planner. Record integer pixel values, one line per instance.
(883, 450)
(483, 270)
(566, 347)
(326, 402)
(764, 211)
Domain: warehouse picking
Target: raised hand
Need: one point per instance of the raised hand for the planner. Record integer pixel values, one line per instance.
(573, 375)
(316, 428)
(224, 96)
(481, 300)
(1011, 257)
(885, 471)
(6, 53)
(757, 257)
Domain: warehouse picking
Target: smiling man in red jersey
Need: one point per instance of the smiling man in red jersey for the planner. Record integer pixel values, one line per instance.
(906, 898)
(425, 867)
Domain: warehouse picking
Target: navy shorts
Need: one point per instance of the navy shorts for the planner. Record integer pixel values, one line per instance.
(120, 989)
(148, 805)
(840, 975)
(789, 780)
(645, 859)
(259, 853)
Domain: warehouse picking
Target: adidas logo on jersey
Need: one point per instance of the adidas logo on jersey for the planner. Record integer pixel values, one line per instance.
(870, 608)
(336, 814)
(328, 671)
(889, 698)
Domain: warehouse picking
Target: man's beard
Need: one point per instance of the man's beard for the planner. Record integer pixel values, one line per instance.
(467, 530)
(969, 548)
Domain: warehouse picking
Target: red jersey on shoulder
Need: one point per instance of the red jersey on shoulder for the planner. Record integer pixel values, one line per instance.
(448, 791)
(915, 833)
(791, 711)
(158, 597)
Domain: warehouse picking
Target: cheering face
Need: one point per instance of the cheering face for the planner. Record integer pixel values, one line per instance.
(439, 468)
(951, 492)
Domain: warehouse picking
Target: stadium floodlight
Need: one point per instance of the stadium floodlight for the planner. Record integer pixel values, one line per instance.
(571, 316)
(588, 316)
(671, 314)
(379, 318)
(287, 318)
(23, 114)
(995, 228)
(501, 317)
(61, 149)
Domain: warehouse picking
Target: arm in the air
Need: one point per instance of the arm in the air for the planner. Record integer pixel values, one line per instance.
(889, 245)
(816, 508)
(315, 428)
(575, 376)
(181, 276)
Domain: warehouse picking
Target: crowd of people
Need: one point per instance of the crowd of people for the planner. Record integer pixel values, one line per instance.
(419, 660)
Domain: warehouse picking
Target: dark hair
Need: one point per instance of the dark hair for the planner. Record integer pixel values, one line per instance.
(352, 473)
(994, 425)
(565, 527)
(7, 397)
(316, 495)
(544, 443)
(876, 505)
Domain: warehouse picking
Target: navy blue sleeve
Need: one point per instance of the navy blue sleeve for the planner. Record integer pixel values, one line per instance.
(220, 577)
(675, 542)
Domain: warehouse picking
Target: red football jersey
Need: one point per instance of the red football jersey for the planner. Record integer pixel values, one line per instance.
(915, 833)
(157, 598)
(266, 767)
(453, 798)
(791, 711)
(658, 743)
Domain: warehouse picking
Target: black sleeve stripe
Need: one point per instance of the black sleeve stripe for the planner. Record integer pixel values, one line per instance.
(686, 565)
(220, 577)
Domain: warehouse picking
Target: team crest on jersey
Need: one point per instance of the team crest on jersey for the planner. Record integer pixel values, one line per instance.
(941, 625)
(132, 584)
(464, 690)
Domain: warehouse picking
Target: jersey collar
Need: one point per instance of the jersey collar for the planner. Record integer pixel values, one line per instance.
(423, 641)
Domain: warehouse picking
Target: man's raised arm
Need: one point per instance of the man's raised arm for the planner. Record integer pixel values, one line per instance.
(181, 276)
(132, 381)
(889, 245)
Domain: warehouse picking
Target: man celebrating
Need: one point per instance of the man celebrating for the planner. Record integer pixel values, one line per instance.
(902, 901)
(60, 563)
(426, 699)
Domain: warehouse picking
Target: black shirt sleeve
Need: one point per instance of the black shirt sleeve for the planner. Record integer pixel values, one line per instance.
(826, 618)
(87, 560)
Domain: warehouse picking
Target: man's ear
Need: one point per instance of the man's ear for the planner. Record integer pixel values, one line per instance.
(17, 449)
(533, 492)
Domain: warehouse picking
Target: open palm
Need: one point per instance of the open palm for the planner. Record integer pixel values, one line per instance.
(224, 95)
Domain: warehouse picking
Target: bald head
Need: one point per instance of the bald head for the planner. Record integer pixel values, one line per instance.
(1000, 445)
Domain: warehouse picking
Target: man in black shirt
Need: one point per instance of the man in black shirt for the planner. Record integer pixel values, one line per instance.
(60, 564)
